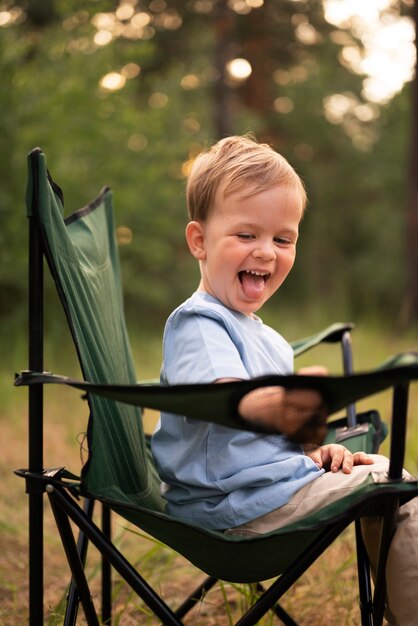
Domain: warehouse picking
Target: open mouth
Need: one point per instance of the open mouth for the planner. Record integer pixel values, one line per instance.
(253, 282)
(254, 275)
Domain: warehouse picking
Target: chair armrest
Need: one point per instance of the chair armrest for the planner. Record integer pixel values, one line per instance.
(339, 332)
(331, 334)
(219, 403)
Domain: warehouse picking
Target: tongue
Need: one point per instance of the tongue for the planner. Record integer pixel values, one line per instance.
(252, 285)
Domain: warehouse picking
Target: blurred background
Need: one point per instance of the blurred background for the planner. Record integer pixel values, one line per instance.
(125, 94)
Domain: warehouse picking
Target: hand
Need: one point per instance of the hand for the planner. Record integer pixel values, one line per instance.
(334, 456)
(308, 423)
(300, 414)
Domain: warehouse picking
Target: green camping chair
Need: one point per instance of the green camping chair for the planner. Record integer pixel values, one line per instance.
(82, 257)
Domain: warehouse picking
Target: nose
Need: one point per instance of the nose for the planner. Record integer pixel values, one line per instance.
(264, 249)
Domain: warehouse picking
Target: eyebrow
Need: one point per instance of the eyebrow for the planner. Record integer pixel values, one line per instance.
(284, 231)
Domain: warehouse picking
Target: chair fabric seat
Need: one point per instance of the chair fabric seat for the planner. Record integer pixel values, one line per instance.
(245, 560)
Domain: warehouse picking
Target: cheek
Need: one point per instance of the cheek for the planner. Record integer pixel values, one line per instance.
(228, 255)
(287, 263)
(292, 260)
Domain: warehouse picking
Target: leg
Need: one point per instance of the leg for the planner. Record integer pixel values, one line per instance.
(402, 566)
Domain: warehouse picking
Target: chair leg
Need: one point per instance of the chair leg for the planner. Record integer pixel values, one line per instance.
(106, 570)
(36, 564)
(363, 573)
(279, 611)
(69, 507)
(73, 600)
(388, 529)
(35, 424)
(74, 561)
(273, 594)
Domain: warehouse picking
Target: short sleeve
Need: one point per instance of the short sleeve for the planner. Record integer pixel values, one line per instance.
(199, 349)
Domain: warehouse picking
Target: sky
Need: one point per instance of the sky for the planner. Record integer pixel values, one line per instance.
(388, 59)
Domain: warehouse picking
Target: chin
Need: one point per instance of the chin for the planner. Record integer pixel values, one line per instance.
(249, 310)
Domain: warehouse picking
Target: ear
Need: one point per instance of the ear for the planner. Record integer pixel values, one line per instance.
(195, 238)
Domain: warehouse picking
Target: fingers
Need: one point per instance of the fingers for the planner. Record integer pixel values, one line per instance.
(336, 457)
(342, 459)
(315, 455)
(313, 370)
(345, 460)
(361, 458)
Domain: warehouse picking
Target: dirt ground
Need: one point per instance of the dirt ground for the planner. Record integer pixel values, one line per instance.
(324, 596)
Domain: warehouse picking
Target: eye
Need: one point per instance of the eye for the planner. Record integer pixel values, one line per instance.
(245, 236)
(282, 241)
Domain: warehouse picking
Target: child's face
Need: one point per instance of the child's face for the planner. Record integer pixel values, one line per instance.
(247, 246)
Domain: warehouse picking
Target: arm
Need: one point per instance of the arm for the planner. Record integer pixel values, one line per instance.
(297, 413)
(212, 353)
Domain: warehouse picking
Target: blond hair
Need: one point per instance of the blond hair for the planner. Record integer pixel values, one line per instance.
(232, 164)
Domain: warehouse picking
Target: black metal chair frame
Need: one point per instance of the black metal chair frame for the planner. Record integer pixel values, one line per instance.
(63, 499)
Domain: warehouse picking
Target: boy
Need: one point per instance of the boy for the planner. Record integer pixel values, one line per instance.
(245, 204)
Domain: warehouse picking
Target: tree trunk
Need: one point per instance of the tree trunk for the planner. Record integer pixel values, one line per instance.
(224, 26)
(411, 296)
(257, 49)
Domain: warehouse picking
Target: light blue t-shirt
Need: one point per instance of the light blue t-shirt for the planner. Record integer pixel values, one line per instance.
(217, 477)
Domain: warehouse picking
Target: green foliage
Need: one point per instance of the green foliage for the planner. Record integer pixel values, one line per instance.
(137, 139)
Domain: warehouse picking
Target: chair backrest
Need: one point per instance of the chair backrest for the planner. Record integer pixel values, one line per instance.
(82, 255)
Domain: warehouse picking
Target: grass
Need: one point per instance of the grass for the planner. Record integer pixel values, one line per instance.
(324, 595)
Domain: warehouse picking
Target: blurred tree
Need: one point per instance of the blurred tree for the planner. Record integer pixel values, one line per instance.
(410, 313)
(127, 92)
